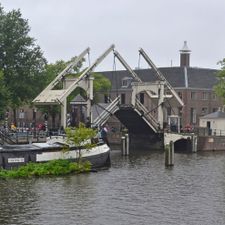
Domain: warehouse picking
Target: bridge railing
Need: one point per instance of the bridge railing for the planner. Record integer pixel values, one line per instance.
(204, 131)
(145, 113)
(8, 137)
(107, 112)
(5, 137)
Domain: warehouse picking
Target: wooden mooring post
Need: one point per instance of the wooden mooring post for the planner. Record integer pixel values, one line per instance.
(169, 154)
(125, 144)
(194, 143)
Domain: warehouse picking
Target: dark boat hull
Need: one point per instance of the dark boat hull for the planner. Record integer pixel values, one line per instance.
(13, 156)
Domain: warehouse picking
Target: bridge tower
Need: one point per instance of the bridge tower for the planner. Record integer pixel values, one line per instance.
(51, 96)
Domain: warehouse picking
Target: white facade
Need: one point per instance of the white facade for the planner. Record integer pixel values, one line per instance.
(214, 122)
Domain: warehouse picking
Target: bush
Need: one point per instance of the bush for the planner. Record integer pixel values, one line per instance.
(54, 167)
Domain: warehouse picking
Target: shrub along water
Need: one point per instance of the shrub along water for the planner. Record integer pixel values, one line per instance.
(75, 136)
(54, 167)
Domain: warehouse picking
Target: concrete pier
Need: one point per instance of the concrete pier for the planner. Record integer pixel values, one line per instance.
(189, 140)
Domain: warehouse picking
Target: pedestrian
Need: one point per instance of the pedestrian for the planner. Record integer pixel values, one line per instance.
(13, 127)
(103, 133)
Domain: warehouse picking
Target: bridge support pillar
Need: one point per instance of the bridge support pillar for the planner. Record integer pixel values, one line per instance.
(169, 154)
(63, 114)
(160, 103)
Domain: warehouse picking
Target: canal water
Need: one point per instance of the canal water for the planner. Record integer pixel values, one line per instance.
(136, 190)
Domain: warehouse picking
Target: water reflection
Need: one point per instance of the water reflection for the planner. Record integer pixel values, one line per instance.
(17, 197)
(137, 189)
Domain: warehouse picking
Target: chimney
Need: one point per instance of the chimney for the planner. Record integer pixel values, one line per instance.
(185, 55)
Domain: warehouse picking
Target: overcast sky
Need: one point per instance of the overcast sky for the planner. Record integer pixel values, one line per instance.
(63, 29)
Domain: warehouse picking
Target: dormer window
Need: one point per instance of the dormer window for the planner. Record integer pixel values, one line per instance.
(126, 81)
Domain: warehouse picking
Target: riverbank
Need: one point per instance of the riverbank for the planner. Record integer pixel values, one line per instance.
(51, 168)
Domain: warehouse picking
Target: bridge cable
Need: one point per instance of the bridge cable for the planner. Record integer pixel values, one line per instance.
(167, 100)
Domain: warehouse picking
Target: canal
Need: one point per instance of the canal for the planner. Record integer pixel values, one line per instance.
(136, 190)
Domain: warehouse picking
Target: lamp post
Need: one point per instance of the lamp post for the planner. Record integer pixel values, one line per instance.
(34, 120)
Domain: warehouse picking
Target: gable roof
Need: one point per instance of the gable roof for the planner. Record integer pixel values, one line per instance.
(214, 115)
(178, 77)
(78, 100)
(201, 78)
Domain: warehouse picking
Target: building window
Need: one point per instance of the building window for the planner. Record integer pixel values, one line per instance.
(34, 114)
(142, 98)
(213, 96)
(123, 98)
(21, 114)
(193, 95)
(126, 81)
(205, 95)
(204, 110)
(193, 115)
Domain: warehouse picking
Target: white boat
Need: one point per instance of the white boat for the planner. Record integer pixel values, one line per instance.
(16, 155)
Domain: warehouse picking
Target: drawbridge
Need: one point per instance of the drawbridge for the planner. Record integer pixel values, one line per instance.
(136, 117)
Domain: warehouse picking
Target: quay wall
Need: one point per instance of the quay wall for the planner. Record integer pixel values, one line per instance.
(137, 141)
(211, 143)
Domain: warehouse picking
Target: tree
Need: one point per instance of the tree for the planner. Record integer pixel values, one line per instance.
(53, 69)
(21, 60)
(219, 88)
(80, 137)
(101, 85)
(4, 96)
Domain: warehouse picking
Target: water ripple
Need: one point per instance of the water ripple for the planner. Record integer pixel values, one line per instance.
(137, 189)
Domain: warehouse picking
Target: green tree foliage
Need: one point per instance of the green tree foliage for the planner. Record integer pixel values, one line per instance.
(4, 96)
(80, 137)
(53, 69)
(21, 60)
(220, 87)
(101, 85)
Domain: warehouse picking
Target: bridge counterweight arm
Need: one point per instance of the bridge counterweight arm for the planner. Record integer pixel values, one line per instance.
(160, 75)
(67, 69)
(120, 58)
(86, 71)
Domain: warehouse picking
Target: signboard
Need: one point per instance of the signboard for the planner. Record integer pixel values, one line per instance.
(16, 160)
(211, 140)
